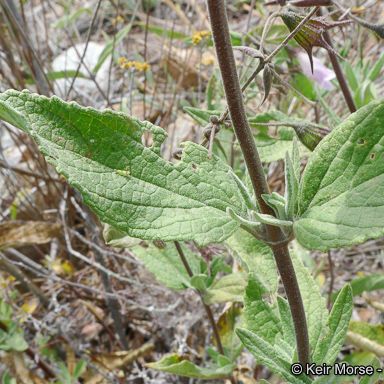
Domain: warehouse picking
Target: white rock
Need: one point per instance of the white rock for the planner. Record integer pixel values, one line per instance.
(69, 61)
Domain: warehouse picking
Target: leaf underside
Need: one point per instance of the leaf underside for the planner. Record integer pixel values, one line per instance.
(129, 185)
(341, 197)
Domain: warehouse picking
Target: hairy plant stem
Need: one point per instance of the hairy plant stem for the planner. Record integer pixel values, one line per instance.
(339, 73)
(266, 60)
(207, 308)
(276, 238)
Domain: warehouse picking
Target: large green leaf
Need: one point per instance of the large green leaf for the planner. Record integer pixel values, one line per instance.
(259, 315)
(178, 366)
(314, 304)
(341, 197)
(129, 185)
(257, 257)
(228, 288)
(271, 356)
(329, 346)
(165, 263)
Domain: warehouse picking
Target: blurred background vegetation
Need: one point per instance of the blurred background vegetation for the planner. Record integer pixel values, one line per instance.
(79, 311)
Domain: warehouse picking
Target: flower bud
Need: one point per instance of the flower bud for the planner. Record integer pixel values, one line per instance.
(310, 134)
(267, 81)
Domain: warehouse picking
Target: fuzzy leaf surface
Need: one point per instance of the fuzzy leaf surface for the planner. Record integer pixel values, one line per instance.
(328, 348)
(176, 365)
(228, 288)
(271, 356)
(165, 264)
(314, 304)
(341, 197)
(259, 315)
(256, 257)
(130, 186)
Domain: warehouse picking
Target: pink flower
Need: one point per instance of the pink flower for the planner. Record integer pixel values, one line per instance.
(321, 74)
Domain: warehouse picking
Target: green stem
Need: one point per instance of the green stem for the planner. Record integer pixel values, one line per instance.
(275, 237)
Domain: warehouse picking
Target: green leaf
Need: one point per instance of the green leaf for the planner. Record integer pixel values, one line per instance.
(305, 86)
(200, 282)
(166, 265)
(5, 311)
(271, 220)
(201, 116)
(259, 316)
(118, 239)
(256, 257)
(286, 321)
(68, 19)
(340, 199)
(314, 304)
(213, 92)
(176, 365)
(13, 340)
(273, 150)
(332, 116)
(8, 379)
(270, 356)
(374, 379)
(292, 179)
(130, 186)
(374, 73)
(79, 369)
(351, 74)
(276, 202)
(257, 218)
(329, 346)
(228, 288)
(163, 32)
(369, 331)
(367, 284)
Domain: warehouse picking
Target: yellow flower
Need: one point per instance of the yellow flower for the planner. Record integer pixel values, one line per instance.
(6, 281)
(30, 306)
(197, 37)
(117, 20)
(139, 66)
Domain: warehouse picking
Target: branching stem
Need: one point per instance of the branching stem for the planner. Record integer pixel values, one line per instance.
(207, 308)
(221, 37)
